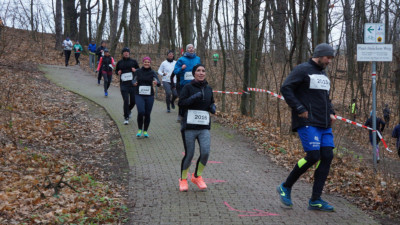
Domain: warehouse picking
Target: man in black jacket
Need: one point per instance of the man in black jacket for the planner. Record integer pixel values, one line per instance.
(306, 91)
(125, 69)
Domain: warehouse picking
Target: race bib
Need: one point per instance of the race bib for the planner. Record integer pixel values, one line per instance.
(198, 117)
(144, 90)
(319, 81)
(189, 76)
(76, 48)
(110, 65)
(126, 76)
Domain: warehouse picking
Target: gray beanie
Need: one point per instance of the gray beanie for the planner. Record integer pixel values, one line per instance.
(323, 49)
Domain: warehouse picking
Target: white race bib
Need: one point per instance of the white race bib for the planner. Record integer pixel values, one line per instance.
(198, 117)
(110, 65)
(144, 90)
(126, 76)
(319, 81)
(189, 76)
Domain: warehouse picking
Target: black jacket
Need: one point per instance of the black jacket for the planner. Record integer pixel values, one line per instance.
(380, 126)
(126, 65)
(307, 89)
(145, 77)
(99, 53)
(204, 102)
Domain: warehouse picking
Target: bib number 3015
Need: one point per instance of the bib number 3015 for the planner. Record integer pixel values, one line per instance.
(198, 117)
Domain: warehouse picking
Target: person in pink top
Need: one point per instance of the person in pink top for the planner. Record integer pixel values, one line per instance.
(106, 65)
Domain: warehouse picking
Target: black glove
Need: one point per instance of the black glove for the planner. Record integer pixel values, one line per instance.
(192, 98)
(213, 108)
(196, 96)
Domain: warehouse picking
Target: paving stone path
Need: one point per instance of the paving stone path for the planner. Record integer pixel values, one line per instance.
(241, 182)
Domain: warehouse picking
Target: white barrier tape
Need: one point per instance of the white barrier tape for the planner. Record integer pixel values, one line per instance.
(337, 117)
(228, 92)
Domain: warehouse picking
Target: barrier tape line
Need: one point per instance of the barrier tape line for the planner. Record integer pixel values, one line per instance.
(228, 92)
(337, 117)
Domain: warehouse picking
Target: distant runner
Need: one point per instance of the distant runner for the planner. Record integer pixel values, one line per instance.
(165, 70)
(106, 66)
(67, 44)
(77, 49)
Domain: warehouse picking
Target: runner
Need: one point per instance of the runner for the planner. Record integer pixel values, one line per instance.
(380, 126)
(77, 49)
(165, 70)
(386, 113)
(106, 66)
(396, 134)
(92, 54)
(215, 58)
(67, 44)
(196, 101)
(100, 53)
(143, 79)
(306, 91)
(125, 69)
(183, 68)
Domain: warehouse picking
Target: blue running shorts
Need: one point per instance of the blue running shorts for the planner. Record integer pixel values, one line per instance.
(313, 138)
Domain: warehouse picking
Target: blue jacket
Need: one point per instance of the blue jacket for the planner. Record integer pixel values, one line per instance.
(190, 61)
(92, 48)
(396, 134)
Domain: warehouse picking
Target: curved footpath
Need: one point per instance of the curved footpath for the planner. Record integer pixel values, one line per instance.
(241, 182)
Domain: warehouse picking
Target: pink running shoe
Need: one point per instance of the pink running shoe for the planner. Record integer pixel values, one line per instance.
(183, 185)
(199, 182)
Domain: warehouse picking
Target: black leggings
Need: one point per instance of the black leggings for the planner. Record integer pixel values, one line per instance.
(144, 105)
(324, 156)
(128, 95)
(67, 54)
(77, 57)
(107, 77)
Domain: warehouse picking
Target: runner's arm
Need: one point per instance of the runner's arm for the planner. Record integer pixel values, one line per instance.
(294, 79)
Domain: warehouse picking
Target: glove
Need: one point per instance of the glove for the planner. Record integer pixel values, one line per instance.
(196, 96)
(213, 108)
(193, 98)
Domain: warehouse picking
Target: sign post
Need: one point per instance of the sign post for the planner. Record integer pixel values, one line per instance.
(374, 50)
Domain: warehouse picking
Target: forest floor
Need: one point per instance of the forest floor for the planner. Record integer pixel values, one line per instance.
(35, 133)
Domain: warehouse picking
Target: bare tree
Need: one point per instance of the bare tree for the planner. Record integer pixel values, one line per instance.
(221, 41)
(203, 38)
(114, 27)
(83, 37)
(58, 22)
(185, 20)
(70, 19)
(122, 26)
(100, 28)
(134, 24)
(322, 21)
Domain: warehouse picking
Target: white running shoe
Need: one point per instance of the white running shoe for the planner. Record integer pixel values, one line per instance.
(126, 122)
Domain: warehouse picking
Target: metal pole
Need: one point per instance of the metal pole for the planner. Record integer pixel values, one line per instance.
(374, 113)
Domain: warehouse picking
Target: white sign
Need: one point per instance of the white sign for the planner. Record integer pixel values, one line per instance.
(374, 53)
(374, 33)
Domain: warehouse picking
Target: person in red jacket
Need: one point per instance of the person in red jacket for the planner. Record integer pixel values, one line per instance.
(106, 65)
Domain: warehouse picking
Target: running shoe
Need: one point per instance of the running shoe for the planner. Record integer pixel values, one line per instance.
(183, 185)
(98, 83)
(320, 205)
(105, 94)
(145, 134)
(139, 133)
(284, 194)
(199, 182)
(168, 110)
(172, 105)
(126, 122)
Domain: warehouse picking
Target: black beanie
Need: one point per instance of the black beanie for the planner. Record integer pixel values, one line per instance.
(197, 66)
(323, 49)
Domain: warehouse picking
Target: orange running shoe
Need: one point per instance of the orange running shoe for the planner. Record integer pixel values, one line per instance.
(199, 182)
(183, 185)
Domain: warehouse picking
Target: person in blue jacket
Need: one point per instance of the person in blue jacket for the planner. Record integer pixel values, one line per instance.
(92, 55)
(396, 134)
(183, 68)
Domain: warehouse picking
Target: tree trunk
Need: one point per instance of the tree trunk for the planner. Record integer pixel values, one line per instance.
(70, 19)
(134, 24)
(349, 45)
(83, 24)
(165, 24)
(221, 41)
(122, 25)
(203, 39)
(279, 28)
(31, 18)
(185, 21)
(302, 36)
(322, 21)
(235, 26)
(99, 33)
(58, 23)
(113, 28)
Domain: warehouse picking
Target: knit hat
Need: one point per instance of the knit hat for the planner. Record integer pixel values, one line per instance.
(106, 50)
(195, 68)
(146, 58)
(323, 49)
(126, 49)
(171, 51)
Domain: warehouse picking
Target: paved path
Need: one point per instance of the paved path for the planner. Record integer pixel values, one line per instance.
(241, 182)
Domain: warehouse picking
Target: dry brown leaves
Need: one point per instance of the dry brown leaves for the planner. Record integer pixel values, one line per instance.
(42, 128)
